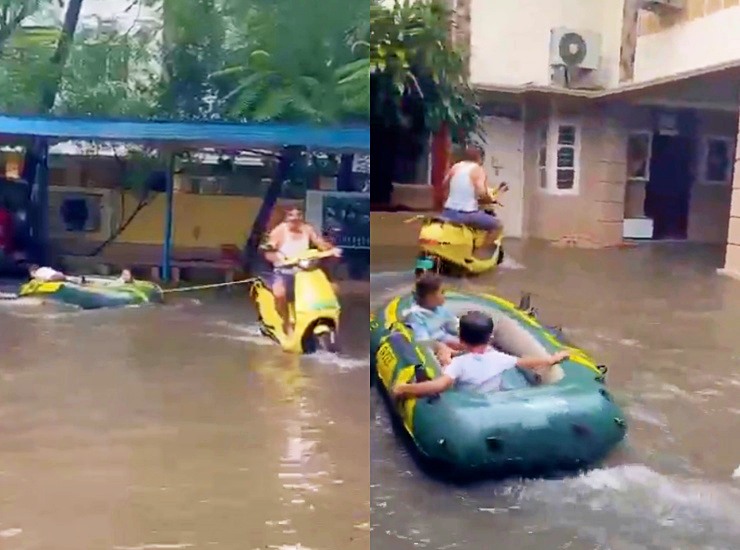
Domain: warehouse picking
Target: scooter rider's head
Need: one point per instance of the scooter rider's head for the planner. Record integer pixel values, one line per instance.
(294, 218)
(428, 291)
(476, 329)
(473, 153)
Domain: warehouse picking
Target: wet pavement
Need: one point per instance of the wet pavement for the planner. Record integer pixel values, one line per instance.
(178, 426)
(668, 328)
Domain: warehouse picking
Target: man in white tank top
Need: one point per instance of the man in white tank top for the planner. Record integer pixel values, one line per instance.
(465, 186)
(289, 239)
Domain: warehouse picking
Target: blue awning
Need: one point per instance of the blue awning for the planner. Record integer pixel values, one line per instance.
(191, 134)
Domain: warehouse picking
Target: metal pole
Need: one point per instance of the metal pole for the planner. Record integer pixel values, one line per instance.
(168, 219)
(41, 207)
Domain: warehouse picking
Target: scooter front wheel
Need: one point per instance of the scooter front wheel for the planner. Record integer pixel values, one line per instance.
(326, 341)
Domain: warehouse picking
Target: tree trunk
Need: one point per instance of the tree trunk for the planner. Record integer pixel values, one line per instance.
(382, 162)
(259, 227)
(440, 163)
(35, 152)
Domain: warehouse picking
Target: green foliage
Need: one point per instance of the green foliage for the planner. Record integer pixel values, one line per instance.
(296, 60)
(109, 74)
(261, 60)
(413, 60)
(24, 69)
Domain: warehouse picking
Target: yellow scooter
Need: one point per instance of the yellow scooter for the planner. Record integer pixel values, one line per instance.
(449, 247)
(314, 311)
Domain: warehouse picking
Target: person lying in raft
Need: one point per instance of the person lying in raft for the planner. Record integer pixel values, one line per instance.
(430, 320)
(481, 369)
(46, 274)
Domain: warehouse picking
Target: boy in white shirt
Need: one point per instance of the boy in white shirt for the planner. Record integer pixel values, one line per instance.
(481, 369)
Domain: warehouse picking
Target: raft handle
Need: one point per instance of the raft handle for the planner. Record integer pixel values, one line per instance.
(605, 394)
(620, 422)
(494, 444)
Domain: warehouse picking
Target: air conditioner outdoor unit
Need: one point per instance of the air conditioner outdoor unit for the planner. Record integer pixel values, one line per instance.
(662, 6)
(575, 49)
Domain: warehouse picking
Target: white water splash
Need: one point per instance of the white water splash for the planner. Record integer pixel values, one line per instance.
(344, 363)
(736, 473)
(511, 263)
(10, 533)
(634, 494)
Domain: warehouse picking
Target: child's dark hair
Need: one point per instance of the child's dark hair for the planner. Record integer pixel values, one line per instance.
(426, 285)
(476, 328)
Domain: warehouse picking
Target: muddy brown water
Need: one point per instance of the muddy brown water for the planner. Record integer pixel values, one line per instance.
(176, 427)
(668, 328)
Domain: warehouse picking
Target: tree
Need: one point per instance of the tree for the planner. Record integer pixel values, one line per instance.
(24, 68)
(193, 36)
(112, 73)
(14, 12)
(418, 82)
(296, 60)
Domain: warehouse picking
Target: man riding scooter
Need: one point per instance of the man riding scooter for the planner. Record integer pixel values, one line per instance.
(290, 239)
(465, 186)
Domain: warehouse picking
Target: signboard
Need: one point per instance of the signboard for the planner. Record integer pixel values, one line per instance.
(343, 217)
(361, 173)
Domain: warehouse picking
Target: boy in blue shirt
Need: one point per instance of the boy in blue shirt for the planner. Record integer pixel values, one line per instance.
(430, 320)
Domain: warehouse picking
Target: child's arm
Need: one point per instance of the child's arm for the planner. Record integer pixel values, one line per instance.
(542, 362)
(423, 389)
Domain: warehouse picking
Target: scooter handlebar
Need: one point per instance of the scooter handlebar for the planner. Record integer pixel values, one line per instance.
(311, 255)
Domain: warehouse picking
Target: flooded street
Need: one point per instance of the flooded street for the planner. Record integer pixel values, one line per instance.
(668, 328)
(179, 427)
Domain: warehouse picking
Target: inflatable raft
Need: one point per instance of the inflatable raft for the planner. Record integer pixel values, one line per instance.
(93, 293)
(562, 421)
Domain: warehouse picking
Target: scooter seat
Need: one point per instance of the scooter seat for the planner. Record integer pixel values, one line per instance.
(441, 218)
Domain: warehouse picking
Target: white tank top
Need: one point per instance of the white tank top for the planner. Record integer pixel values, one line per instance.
(462, 191)
(294, 244)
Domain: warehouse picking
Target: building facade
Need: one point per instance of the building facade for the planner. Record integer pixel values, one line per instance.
(611, 119)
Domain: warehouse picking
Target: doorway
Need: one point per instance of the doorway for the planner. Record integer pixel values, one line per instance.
(504, 162)
(668, 192)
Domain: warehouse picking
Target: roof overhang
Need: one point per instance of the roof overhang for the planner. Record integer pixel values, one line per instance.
(712, 87)
(189, 135)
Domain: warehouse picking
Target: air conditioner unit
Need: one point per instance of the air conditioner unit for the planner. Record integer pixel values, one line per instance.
(662, 6)
(575, 49)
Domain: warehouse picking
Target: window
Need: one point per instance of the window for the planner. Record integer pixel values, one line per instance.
(717, 159)
(565, 158)
(639, 146)
(542, 156)
(558, 157)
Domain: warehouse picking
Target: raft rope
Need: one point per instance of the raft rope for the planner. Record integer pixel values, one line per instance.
(206, 287)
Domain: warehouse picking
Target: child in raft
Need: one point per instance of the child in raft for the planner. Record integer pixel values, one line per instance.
(481, 368)
(430, 320)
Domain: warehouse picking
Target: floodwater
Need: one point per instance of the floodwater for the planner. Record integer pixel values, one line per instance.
(668, 327)
(177, 427)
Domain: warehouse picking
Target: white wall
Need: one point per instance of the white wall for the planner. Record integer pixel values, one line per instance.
(511, 38)
(703, 42)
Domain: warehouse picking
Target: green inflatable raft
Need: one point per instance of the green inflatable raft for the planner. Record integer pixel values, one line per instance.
(562, 421)
(94, 292)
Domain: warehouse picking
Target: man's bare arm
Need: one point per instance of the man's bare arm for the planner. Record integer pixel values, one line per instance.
(273, 244)
(480, 182)
(318, 241)
(446, 181)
